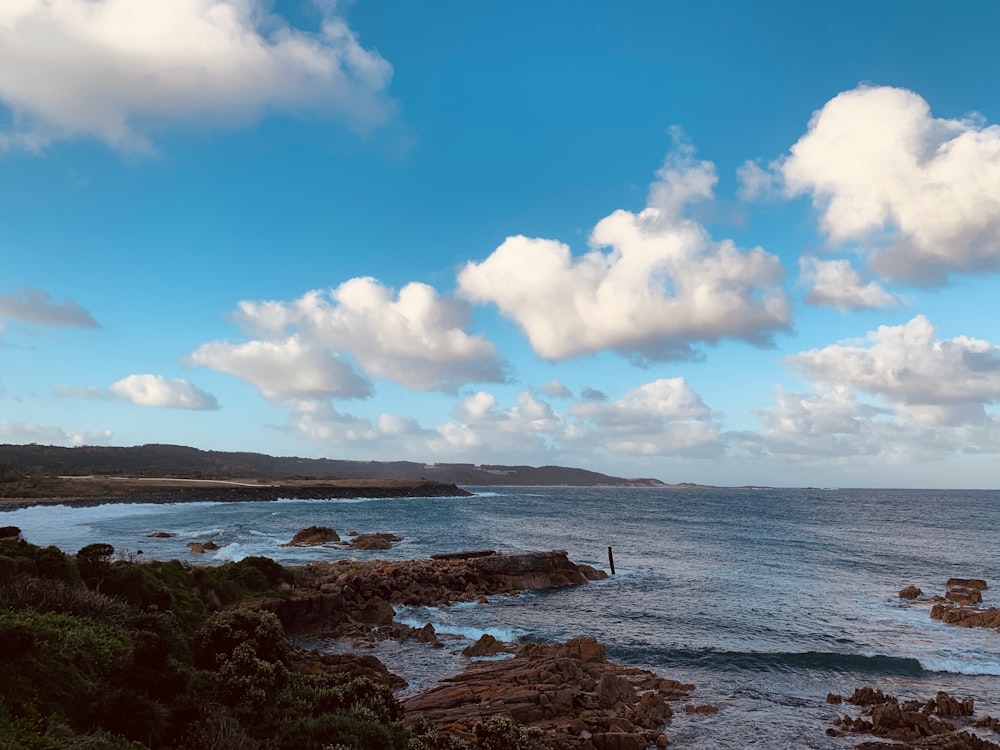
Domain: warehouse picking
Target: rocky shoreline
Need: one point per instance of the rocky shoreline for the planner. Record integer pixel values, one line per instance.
(570, 694)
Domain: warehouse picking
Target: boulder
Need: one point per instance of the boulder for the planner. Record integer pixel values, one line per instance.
(374, 541)
(10, 532)
(910, 592)
(202, 547)
(485, 646)
(159, 535)
(313, 536)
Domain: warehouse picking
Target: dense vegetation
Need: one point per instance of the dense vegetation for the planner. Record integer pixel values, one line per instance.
(182, 461)
(99, 653)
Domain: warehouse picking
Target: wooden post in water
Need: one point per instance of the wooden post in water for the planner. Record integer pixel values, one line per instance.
(611, 560)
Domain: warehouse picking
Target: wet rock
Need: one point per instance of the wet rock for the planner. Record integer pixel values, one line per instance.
(485, 646)
(969, 583)
(570, 691)
(202, 547)
(963, 595)
(313, 536)
(159, 535)
(915, 724)
(910, 592)
(329, 594)
(374, 541)
(690, 708)
(463, 555)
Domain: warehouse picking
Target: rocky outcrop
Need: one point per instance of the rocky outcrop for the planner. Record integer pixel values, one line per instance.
(960, 604)
(487, 645)
(373, 541)
(967, 617)
(969, 583)
(336, 596)
(356, 665)
(963, 595)
(199, 548)
(910, 592)
(933, 724)
(313, 536)
(570, 691)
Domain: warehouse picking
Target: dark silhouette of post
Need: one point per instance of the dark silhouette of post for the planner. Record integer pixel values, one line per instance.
(611, 560)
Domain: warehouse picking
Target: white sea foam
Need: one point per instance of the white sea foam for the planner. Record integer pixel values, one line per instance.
(960, 666)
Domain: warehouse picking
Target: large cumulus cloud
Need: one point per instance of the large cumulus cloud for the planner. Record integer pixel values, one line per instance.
(306, 349)
(117, 69)
(652, 286)
(920, 194)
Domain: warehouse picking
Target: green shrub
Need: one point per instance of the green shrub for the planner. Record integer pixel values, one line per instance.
(57, 663)
(503, 733)
(53, 595)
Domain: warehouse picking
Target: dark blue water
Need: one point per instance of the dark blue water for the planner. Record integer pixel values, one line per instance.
(766, 600)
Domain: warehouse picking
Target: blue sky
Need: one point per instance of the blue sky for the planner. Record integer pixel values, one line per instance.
(712, 242)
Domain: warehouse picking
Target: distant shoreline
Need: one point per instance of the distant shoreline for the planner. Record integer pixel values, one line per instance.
(90, 490)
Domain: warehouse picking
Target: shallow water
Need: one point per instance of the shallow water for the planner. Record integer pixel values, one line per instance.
(766, 600)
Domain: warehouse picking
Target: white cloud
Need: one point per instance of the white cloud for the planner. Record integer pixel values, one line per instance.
(156, 390)
(556, 389)
(318, 421)
(416, 338)
(920, 194)
(662, 285)
(285, 370)
(836, 283)
(31, 432)
(932, 381)
(833, 427)
(117, 70)
(663, 418)
(756, 182)
(36, 306)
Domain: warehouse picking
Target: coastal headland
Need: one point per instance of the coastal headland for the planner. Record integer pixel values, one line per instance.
(22, 492)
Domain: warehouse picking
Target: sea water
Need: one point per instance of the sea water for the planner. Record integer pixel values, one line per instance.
(765, 599)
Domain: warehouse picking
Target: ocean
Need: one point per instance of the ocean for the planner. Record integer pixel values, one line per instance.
(765, 599)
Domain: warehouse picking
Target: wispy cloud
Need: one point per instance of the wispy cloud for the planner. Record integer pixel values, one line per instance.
(37, 306)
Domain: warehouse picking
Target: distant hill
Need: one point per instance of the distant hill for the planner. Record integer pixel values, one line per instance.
(182, 461)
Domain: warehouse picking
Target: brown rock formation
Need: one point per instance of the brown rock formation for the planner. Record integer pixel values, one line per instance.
(910, 592)
(335, 595)
(969, 583)
(159, 535)
(570, 691)
(202, 547)
(916, 724)
(964, 595)
(374, 541)
(312, 536)
(485, 646)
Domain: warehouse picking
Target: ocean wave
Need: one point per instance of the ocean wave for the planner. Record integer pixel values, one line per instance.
(960, 666)
(469, 632)
(793, 661)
